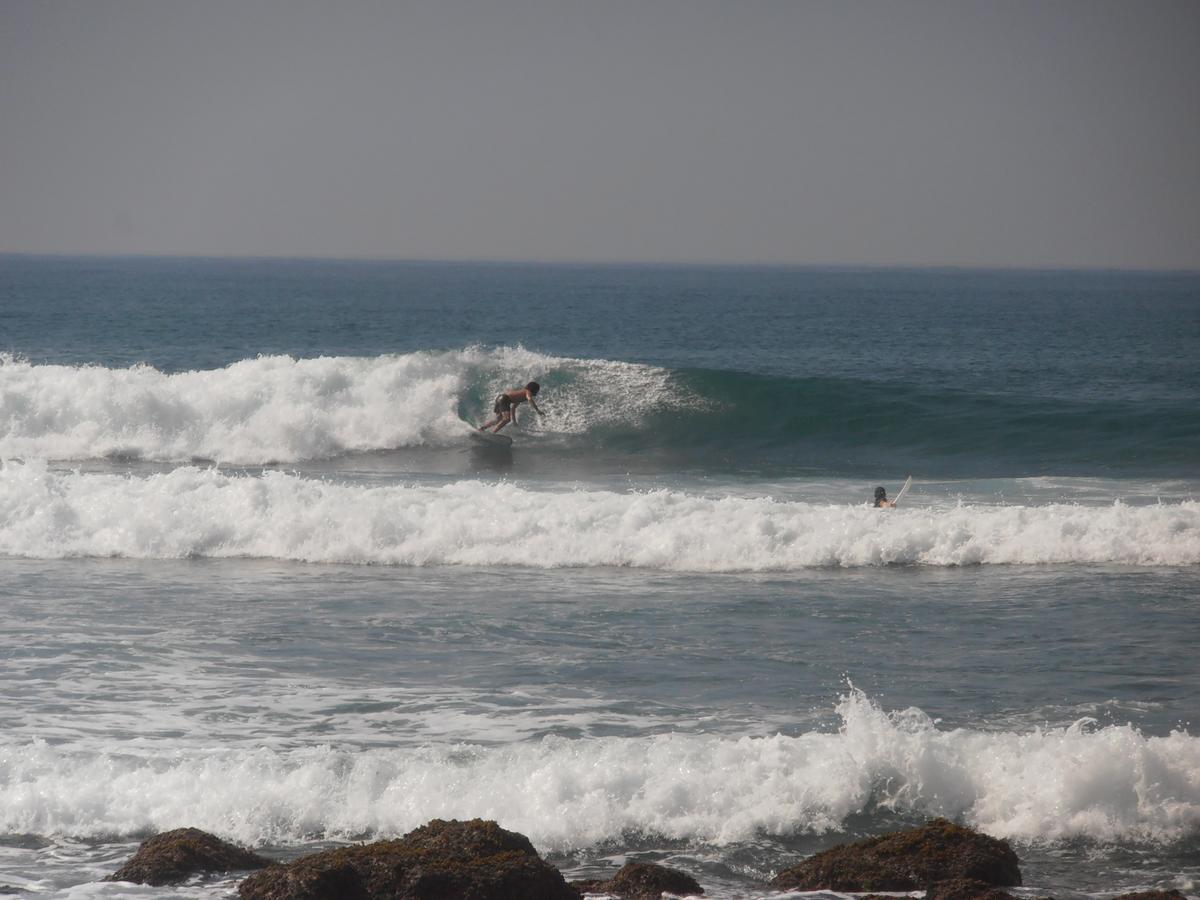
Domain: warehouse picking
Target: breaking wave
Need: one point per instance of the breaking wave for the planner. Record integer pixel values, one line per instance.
(274, 409)
(1102, 783)
(205, 512)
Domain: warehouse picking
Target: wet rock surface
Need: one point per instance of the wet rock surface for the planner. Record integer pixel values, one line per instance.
(475, 860)
(175, 856)
(965, 889)
(643, 881)
(909, 860)
(479, 860)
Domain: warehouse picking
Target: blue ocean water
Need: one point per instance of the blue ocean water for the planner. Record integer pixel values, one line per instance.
(258, 579)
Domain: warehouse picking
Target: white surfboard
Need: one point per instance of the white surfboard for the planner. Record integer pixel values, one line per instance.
(487, 438)
(903, 490)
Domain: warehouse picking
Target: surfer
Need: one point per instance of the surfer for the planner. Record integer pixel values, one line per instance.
(506, 405)
(881, 497)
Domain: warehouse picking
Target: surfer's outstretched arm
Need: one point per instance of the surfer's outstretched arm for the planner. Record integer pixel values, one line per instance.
(531, 391)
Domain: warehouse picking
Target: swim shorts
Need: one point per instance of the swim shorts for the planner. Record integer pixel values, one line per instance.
(503, 404)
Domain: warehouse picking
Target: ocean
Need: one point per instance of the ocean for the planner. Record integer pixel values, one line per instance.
(256, 578)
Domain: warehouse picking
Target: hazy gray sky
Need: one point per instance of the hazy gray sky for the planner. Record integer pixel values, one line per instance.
(1053, 132)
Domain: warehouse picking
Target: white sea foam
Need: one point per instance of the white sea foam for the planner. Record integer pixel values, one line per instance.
(280, 409)
(194, 512)
(1101, 783)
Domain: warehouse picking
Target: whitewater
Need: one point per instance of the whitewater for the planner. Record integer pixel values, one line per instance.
(274, 409)
(1080, 781)
(194, 512)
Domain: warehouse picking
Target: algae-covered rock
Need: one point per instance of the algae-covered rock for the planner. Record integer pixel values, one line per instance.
(643, 881)
(175, 856)
(965, 889)
(475, 860)
(907, 860)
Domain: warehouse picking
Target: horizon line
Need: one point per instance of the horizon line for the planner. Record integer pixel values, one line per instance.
(615, 262)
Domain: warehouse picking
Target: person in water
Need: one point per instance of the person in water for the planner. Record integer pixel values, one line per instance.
(506, 405)
(881, 500)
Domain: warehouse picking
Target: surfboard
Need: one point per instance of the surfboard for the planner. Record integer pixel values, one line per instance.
(486, 438)
(903, 490)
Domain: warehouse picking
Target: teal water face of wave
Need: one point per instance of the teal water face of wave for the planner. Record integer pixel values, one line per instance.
(848, 426)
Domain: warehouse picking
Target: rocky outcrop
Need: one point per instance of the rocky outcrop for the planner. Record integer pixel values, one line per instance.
(643, 881)
(965, 889)
(175, 856)
(479, 860)
(475, 860)
(908, 860)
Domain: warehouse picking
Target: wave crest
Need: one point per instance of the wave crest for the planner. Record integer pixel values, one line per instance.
(281, 409)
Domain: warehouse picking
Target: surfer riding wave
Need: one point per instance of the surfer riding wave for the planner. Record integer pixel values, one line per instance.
(506, 405)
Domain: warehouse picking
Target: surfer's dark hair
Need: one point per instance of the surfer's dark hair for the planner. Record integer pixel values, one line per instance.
(880, 493)
(533, 387)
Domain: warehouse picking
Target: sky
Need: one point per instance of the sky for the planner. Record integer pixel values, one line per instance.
(1001, 133)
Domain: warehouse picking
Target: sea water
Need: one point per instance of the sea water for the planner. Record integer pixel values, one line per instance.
(256, 579)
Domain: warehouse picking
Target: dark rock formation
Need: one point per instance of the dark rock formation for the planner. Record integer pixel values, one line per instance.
(965, 889)
(906, 861)
(473, 860)
(642, 881)
(175, 856)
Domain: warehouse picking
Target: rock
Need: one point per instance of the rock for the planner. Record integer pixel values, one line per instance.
(1152, 895)
(175, 856)
(965, 889)
(643, 881)
(475, 860)
(906, 861)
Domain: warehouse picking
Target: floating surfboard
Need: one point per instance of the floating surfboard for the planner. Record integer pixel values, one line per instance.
(903, 490)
